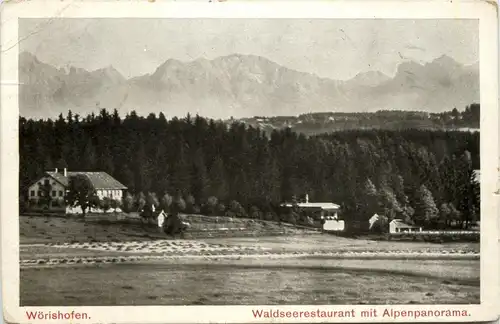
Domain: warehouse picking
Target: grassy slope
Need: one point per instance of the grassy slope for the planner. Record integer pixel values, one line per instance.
(36, 229)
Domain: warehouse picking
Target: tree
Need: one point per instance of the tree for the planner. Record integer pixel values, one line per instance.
(152, 200)
(469, 202)
(115, 204)
(218, 186)
(221, 209)
(126, 176)
(381, 224)
(211, 205)
(235, 210)
(407, 213)
(166, 202)
(427, 212)
(151, 203)
(81, 193)
(180, 177)
(88, 158)
(140, 201)
(455, 215)
(370, 198)
(200, 179)
(190, 204)
(178, 205)
(390, 205)
(291, 218)
(255, 212)
(128, 203)
(46, 193)
(105, 204)
(444, 215)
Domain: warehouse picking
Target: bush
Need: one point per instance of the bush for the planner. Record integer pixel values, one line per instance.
(115, 204)
(381, 225)
(309, 221)
(152, 199)
(236, 210)
(140, 201)
(190, 204)
(166, 202)
(178, 205)
(255, 212)
(292, 218)
(105, 203)
(211, 205)
(269, 216)
(221, 209)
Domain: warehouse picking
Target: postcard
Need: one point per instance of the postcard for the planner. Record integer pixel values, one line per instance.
(249, 162)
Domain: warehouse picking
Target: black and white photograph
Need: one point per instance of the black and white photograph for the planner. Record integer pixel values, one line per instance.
(215, 161)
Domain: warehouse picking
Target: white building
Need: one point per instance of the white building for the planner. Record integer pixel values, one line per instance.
(398, 226)
(319, 210)
(55, 184)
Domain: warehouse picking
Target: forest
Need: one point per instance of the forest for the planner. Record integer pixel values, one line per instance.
(425, 177)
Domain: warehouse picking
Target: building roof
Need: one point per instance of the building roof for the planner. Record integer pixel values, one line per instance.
(100, 180)
(322, 205)
(400, 224)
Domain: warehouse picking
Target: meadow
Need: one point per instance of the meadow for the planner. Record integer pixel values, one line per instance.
(127, 265)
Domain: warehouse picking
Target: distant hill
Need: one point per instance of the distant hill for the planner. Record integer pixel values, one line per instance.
(242, 86)
(317, 123)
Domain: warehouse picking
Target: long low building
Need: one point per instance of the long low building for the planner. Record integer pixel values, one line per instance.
(317, 210)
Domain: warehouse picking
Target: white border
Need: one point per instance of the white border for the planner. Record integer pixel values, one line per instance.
(484, 11)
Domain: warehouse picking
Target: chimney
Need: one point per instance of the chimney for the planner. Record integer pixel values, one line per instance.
(307, 198)
(65, 172)
(57, 170)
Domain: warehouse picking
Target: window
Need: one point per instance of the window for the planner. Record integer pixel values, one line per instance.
(46, 181)
(39, 193)
(60, 193)
(32, 193)
(53, 193)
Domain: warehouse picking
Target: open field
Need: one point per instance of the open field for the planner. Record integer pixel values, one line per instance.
(69, 262)
(328, 242)
(265, 281)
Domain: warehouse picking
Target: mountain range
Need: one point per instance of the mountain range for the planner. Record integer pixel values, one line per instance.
(242, 86)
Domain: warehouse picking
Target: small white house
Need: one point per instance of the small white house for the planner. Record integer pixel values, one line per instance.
(334, 225)
(398, 226)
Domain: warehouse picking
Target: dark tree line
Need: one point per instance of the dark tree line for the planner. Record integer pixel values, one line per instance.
(425, 177)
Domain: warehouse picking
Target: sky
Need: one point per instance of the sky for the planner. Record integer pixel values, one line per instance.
(337, 49)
